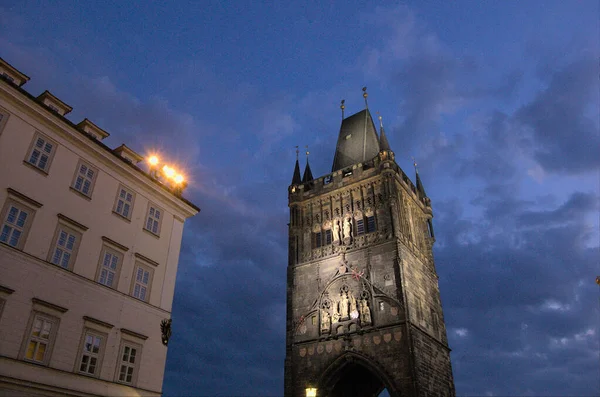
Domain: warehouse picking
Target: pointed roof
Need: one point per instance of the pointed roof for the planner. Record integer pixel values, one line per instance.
(420, 187)
(383, 142)
(296, 178)
(357, 141)
(308, 176)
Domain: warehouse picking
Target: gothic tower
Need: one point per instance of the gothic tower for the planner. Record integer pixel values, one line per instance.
(363, 302)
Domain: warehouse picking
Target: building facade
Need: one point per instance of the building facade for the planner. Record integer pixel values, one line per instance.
(363, 302)
(89, 248)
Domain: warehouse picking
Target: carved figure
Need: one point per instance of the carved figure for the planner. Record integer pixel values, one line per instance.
(165, 328)
(348, 228)
(353, 309)
(335, 317)
(336, 232)
(344, 306)
(365, 312)
(325, 321)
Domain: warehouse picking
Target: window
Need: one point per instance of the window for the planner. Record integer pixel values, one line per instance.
(109, 268)
(128, 362)
(41, 337)
(41, 152)
(3, 119)
(85, 177)
(91, 353)
(16, 217)
(65, 246)
(7, 77)
(327, 236)
(317, 240)
(153, 219)
(371, 227)
(142, 281)
(360, 227)
(13, 227)
(124, 203)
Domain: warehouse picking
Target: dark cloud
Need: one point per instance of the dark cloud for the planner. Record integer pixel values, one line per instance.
(563, 119)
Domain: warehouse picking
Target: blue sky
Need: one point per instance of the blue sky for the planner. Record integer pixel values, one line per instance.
(498, 101)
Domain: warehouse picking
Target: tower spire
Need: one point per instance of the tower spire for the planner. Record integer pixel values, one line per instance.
(365, 95)
(308, 176)
(420, 187)
(383, 142)
(342, 106)
(296, 180)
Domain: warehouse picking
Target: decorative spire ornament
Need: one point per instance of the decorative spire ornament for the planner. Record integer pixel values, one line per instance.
(297, 151)
(415, 165)
(307, 153)
(380, 120)
(365, 95)
(342, 106)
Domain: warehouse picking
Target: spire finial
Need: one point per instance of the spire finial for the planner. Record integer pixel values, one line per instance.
(342, 106)
(297, 151)
(415, 164)
(307, 153)
(365, 95)
(380, 120)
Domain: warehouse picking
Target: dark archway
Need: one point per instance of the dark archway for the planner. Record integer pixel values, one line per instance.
(354, 375)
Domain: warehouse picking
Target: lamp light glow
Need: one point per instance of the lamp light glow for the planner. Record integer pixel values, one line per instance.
(179, 178)
(169, 172)
(153, 160)
(311, 392)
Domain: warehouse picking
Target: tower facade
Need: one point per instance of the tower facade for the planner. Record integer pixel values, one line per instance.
(363, 302)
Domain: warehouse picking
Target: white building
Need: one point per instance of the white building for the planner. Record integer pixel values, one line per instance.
(89, 246)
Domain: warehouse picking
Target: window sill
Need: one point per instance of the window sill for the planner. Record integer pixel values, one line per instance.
(41, 171)
(121, 216)
(151, 233)
(83, 195)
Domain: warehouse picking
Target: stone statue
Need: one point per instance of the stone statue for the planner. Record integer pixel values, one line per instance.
(325, 321)
(365, 312)
(336, 231)
(348, 228)
(344, 306)
(353, 309)
(335, 317)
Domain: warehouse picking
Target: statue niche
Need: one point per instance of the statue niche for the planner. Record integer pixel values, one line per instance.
(325, 321)
(348, 230)
(336, 232)
(344, 306)
(365, 312)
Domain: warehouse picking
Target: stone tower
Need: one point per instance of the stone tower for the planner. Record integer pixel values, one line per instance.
(363, 302)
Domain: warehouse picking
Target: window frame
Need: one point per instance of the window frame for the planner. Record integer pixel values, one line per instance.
(116, 204)
(87, 331)
(151, 205)
(32, 147)
(64, 226)
(126, 343)
(139, 265)
(13, 201)
(110, 249)
(55, 321)
(5, 115)
(77, 174)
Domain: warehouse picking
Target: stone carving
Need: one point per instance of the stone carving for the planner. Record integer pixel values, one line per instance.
(348, 229)
(336, 232)
(325, 322)
(335, 317)
(365, 312)
(344, 306)
(165, 328)
(353, 308)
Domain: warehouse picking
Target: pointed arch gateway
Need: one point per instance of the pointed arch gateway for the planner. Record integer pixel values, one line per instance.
(355, 375)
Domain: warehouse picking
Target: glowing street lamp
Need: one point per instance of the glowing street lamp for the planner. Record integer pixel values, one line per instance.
(168, 174)
(311, 392)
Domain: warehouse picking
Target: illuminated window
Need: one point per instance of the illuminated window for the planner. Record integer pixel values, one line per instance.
(85, 177)
(92, 350)
(41, 153)
(153, 219)
(124, 202)
(142, 282)
(128, 363)
(40, 339)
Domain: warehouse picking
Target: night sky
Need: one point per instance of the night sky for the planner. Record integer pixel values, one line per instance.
(497, 101)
